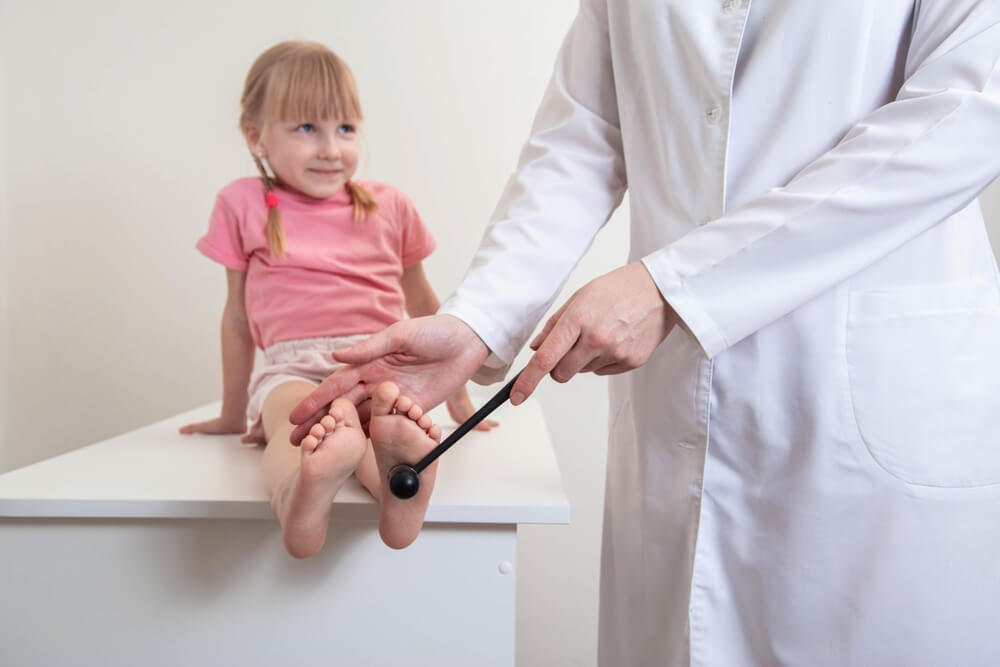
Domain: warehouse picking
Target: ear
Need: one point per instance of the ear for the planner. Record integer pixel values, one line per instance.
(254, 138)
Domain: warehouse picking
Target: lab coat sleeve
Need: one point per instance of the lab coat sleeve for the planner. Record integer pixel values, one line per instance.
(570, 178)
(902, 169)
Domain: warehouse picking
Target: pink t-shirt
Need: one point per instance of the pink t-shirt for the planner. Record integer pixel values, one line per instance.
(339, 276)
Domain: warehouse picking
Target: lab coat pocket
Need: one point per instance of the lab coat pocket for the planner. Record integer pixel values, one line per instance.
(924, 371)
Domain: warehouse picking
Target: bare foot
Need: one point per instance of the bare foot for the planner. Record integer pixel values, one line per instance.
(330, 454)
(401, 433)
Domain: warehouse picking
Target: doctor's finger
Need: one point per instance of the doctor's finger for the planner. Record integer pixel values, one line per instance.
(358, 394)
(365, 411)
(385, 342)
(549, 354)
(544, 333)
(597, 363)
(613, 369)
(579, 358)
(302, 430)
(334, 386)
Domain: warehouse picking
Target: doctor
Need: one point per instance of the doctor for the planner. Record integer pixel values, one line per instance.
(804, 466)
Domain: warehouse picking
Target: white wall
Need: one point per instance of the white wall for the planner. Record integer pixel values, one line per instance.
(118, 119)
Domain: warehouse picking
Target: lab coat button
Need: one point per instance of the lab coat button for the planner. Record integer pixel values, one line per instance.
(713, 115)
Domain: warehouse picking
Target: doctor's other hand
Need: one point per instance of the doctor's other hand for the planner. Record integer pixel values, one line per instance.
(610, 325)
(430, 358)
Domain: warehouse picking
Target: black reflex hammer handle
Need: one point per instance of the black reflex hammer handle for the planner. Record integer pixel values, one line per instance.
(498, 399)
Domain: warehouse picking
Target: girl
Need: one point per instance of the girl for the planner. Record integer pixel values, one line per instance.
(315, 261)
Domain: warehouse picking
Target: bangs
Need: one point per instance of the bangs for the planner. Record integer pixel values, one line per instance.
(311, 84)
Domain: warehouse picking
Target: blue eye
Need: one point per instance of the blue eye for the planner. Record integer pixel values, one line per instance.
(305, 127)
(346, 128)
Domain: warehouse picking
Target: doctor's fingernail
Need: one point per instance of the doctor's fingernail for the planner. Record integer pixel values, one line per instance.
(516, 398)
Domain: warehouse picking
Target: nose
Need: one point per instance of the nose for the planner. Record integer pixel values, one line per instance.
(329, 148)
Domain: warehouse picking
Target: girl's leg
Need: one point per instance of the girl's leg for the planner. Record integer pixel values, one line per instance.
(302, 481)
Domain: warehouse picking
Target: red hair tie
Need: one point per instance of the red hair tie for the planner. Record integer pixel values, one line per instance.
(272, 200)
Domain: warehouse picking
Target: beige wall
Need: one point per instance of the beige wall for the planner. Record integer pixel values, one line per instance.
(132, 110)
(118, 122)
(4, 256)
(991, 209)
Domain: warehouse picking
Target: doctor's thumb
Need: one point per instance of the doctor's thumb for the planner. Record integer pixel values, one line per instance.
(370, 348)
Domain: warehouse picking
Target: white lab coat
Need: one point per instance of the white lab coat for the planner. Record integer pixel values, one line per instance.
(808, 472)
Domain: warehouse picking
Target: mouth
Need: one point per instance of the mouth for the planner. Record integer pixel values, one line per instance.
(326, 172)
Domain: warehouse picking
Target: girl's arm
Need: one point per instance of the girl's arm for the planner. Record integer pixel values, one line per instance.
(420, 301)
(237, 362)
(420, 297)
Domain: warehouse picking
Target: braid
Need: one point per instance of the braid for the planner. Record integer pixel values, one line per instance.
(275, 231)
(364, 201)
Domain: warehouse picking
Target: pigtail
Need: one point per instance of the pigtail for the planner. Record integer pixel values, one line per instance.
(275, 231)
(364, 201)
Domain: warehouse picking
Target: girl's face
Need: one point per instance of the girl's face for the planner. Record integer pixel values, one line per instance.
(315, 158)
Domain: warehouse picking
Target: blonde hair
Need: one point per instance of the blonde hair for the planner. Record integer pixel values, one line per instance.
(298, 80)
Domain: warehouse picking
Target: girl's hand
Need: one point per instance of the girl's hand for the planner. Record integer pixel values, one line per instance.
(460, 408)
(217, 426)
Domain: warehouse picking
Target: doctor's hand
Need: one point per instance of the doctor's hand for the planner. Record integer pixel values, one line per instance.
(430, 358)
(610, 325)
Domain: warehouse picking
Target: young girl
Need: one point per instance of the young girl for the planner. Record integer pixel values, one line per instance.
(315, 261)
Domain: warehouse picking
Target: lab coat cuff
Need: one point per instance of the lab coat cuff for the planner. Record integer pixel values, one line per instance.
(501, 355)
(694, 319)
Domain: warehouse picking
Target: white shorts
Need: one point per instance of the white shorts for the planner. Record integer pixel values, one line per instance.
(307, 359)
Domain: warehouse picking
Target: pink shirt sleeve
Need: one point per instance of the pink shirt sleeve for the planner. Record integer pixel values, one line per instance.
(418, 243)
(224, 241)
